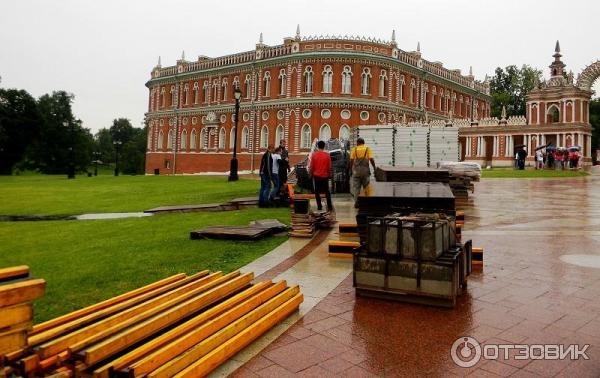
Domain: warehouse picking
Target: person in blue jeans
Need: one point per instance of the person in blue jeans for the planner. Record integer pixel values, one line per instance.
(276, 157)
(266, 169)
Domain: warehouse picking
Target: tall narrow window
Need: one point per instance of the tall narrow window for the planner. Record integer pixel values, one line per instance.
(279, 134)
(203, 139)
(206, 88)
(222, 138)
(267, 84)
(245, 137)
(401, 85)
(308, 79)
(161, 138)
(248, 85)
(193, 139)
(215, 95)
(173, 95)
(413, 91)
(344, 132)
(347, 80)
(170, 140)
(382, 83)
(232, 138)
(365, 81)
(433, 97)
(327, 79)
(183, 140)
(152, 99)
(196, 92)
(186, 89)
(224, 89)
(149, 139)
(305, 136)
(325, 133)
(162, 97)
(264, 137)
(282, 80)
(235, 83)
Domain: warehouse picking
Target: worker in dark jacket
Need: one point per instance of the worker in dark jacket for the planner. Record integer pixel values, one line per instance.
(266, 169)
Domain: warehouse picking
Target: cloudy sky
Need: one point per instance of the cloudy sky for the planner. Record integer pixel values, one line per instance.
(103, 51)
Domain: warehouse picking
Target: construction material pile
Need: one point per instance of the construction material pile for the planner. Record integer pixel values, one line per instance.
(182, 326)
(17, 291)
(462, 176)
(306, 222)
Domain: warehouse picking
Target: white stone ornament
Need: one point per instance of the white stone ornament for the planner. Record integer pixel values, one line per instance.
(211, 117)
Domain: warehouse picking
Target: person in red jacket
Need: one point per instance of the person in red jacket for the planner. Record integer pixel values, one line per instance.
(320, 168)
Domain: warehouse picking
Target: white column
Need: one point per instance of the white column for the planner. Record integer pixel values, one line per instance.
(564, 110)
(467, 146)
(589, 146)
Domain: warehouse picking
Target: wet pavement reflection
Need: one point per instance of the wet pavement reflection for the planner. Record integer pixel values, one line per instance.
(540, 284)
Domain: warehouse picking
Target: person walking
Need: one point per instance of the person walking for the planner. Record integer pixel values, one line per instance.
(539, 159)
(276, 157)
(284, 165)
(521, 156)
(266, 169)
(320, 169)
(360, 156)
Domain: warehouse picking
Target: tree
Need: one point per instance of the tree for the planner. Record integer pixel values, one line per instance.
(509, 87)
(104, 145)
(19, 125)
(595, 121)
(132, 151)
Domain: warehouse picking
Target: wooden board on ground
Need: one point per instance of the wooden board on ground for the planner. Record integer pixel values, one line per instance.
(24, 291)
(14, 272)
(230, 233)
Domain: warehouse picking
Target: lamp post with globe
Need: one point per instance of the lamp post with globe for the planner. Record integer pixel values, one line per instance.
(233, 168)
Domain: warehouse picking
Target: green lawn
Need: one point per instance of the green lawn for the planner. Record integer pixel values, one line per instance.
(56, 195)
(85, 262)
(529, 173)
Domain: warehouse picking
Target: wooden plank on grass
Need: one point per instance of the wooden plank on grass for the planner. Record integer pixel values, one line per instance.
(109, 302)
(24, 291)
(63, 342)
(166, 317)
(14, 272)
(185, 359)
(147, 348)
(162, 356)
(78, 323)
(15, 314)
(228, 349)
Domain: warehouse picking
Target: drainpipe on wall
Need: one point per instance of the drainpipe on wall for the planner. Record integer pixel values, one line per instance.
(253, 123)
(176, 125)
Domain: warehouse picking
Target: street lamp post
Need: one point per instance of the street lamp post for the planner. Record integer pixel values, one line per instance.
(71, 168)
(233, 168)
(117, 144)
(96, 159)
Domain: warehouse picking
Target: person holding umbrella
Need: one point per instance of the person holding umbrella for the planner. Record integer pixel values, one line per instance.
(521, 156)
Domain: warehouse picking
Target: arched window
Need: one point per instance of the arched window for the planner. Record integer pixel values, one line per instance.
(344, 132)
(382, 83)
(170, 140)
(282, 80)
(149, 139)
(196, 91)
(401, 83)
(433, 95)
(206, 88)
(413, 91)
(426, 90)
(327, 79)
(161, 138)
(173, 95)
(224, 89)
(215, 96)
(264, 137)
(308, 79)
(232, 138)
(553, 114)
(235, 83)
(365, 81)
(203, 139)
(222, 138)
(183, 140)
(305, 136)
(193, 145)
(267, 84)
(186, 89)
(325, 133)
(347, 80)
(279, 134)
(248, 85)
(162, 97)
(245, 137)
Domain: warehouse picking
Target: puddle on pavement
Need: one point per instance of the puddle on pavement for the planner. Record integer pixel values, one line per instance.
(111, 216)
(587, 261)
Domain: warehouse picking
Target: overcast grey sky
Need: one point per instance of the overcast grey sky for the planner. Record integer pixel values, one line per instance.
(103, 51)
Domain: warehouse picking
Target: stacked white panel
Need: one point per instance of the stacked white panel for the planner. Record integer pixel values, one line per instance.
(380, 138)
(443, 144)
(411, 146)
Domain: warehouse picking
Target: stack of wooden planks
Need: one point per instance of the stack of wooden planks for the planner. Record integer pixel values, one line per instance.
(305, 225)
(17, 291)
(182, 326)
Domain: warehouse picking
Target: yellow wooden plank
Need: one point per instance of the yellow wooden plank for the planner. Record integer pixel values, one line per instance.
(23, 291)
(109, 302)
(63, 342)
(29, 363)
(15, 314)
(162, 356)
(13, 272)
(185, 359)
(229, 348)
(138, 353)
(168, 315)
(11, 342)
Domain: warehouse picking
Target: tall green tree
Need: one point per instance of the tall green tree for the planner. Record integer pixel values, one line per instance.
(19, 126)
(132, 150)
(509, 87)
(104, 145)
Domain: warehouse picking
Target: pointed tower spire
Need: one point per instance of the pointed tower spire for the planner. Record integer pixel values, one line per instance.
(159, 65)
(394, 36)
(260, 39)
(419, 46)
(557, 47)
(182, 54)
(470, 70)
(503, 115)
(298, 31)
(557, 67)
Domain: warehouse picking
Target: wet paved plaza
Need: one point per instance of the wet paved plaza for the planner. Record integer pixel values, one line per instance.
(540, 285)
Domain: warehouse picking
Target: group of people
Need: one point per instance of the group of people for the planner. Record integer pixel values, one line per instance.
(274, 167)
(550, 158)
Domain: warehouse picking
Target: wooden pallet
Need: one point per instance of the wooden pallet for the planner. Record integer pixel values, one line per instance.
(182, 325)
(477, 256)
(231, 233)
(340, 248)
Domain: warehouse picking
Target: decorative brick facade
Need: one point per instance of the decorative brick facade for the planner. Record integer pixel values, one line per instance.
(306, 88)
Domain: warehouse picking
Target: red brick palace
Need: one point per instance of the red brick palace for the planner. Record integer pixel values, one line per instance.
(305, 88)
(557, 113)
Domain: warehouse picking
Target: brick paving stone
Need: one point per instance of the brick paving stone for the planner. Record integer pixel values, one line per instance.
(275, 371)
(298, 356)
(336, 364)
